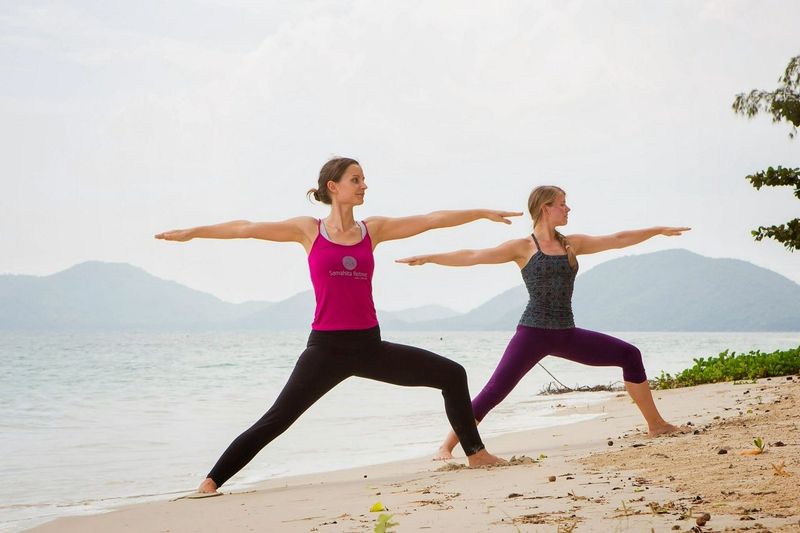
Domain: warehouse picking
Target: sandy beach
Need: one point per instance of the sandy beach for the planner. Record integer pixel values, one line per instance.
(601, 475)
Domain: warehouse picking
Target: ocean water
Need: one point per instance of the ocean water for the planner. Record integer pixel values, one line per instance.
(91, 421)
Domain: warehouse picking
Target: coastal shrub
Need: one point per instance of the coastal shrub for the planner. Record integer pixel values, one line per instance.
(730, 366)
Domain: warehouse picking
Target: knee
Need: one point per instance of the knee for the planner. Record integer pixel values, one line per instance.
(456, 376)
(633, 366)
(459, 373)
(633, 355)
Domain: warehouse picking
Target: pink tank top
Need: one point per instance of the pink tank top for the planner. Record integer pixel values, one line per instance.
(342, 278)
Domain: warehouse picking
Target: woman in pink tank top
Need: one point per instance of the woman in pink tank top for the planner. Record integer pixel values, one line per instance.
(345, 338)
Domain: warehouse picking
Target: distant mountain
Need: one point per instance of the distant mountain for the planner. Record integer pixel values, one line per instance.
(293, 313)
(673, 290)
(96, 295)
(500, 313)
(677, 290)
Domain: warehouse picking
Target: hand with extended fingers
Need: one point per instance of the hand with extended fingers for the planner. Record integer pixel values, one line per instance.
(416, 260)
(671, 232)
(180, 235)
(501, 216)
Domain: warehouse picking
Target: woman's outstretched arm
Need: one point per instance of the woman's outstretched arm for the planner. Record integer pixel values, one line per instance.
(506, 252)
(591, 244)
(296, 229)
(389, 229)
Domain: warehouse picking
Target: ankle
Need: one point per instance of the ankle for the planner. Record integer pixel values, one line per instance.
(477, 455)
(208, 485)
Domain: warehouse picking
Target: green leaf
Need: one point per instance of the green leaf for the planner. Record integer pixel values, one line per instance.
(383, 523)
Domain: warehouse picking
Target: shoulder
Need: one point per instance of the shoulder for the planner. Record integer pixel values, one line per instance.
(577, 241)
(374, 221)
(304, 222)
(308, 226)
(521, 246)
(576, 236)
(521, 249)
(375, 226)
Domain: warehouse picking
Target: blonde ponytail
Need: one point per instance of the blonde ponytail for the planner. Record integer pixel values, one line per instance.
(573, 261)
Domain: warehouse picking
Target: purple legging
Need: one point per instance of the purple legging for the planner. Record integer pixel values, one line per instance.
(529, 345)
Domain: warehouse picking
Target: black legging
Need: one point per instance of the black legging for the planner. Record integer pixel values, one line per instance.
(333, 356)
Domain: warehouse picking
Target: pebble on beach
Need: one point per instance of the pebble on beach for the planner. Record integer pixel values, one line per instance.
(701, 520)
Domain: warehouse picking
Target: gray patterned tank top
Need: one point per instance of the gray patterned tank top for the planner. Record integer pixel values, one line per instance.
(549, 280)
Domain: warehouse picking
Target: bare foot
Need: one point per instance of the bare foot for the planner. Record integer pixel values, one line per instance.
(484, 458)
(208, 485)
(666, 429)
(443, 454)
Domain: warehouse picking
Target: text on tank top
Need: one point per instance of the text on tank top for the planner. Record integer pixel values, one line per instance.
(342, 278)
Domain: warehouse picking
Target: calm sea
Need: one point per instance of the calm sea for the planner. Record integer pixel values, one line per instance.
(91, 421)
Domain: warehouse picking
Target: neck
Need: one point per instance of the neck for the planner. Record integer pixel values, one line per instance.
(544, 231)
(340, 218)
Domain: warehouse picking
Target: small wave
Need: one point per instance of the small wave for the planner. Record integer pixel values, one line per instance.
(18, 506)
(217, 365)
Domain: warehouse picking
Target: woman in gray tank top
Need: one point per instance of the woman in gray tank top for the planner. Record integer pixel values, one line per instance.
(548, 264)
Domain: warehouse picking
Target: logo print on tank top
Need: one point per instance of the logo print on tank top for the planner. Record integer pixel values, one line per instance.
(349, 262)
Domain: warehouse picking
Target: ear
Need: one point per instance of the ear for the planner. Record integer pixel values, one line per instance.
(332, 186)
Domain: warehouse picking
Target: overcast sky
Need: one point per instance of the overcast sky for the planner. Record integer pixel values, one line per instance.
(122, 119)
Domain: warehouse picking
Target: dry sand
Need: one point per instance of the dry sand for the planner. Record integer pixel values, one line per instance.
(608, 477)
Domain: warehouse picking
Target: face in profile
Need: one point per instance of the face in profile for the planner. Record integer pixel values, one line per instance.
(557, 212)
(350, 189)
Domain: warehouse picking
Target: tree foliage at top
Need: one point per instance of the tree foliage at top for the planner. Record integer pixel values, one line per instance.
(783, 104)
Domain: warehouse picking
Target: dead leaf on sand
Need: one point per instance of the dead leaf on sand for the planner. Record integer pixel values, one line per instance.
(780, 469)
